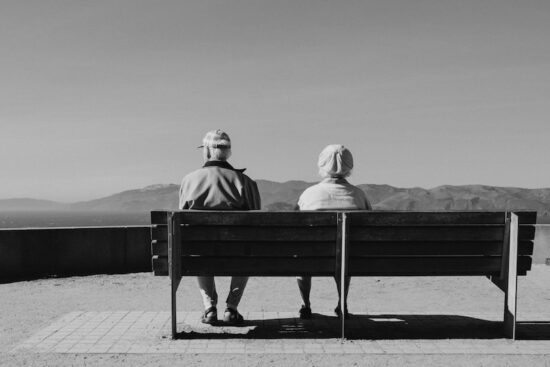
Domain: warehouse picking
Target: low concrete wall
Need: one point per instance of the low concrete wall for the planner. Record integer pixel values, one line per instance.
(34, 253)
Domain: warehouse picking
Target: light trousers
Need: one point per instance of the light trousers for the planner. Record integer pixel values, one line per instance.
(207, 287)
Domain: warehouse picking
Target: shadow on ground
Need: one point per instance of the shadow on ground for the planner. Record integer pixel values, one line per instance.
(387, 326)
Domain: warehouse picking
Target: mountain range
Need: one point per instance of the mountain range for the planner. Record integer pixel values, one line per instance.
(283, 196)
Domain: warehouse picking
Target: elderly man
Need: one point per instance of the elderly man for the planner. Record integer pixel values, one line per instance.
(219, 186)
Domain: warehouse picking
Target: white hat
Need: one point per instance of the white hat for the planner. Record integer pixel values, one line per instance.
(216, 139)
(336, 161)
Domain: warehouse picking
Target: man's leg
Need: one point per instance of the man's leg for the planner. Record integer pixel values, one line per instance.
(207, 287)
(236, 292)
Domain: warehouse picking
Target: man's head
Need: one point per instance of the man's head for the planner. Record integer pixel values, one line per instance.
(335, 161)
(216, 146)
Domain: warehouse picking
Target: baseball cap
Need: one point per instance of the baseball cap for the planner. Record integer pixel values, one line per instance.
(216, 139)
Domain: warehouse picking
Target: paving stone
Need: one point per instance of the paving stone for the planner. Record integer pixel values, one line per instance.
(139, 332)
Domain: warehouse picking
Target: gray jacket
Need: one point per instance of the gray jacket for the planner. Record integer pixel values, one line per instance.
(219, 186)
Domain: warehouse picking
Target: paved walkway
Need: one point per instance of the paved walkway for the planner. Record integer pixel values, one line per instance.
(139, 332)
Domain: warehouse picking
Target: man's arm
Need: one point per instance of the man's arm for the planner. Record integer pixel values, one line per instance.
(182, 199)
(252, 195)
(368, 204)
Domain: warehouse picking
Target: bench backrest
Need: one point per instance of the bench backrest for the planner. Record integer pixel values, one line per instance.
(311, 243)
(249, 243)
(434, 243)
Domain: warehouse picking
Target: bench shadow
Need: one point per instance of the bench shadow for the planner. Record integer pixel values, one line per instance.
(369, 327)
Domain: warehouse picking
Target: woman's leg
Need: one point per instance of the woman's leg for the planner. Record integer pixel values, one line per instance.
(304, 284)
(346, 289)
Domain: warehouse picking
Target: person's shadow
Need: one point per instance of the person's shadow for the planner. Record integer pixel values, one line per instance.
(369, 327)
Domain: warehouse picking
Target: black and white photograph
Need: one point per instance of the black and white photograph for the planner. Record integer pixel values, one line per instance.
(234, 183)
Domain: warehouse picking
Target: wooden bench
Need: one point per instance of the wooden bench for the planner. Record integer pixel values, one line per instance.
(497, 245)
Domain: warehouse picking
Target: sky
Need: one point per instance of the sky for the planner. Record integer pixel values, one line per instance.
(98, 97)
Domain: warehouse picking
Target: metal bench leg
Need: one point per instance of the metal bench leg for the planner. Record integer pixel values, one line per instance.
(342, 315)
(510, 259)
(174, 262)
(343, 234)
(174, 315)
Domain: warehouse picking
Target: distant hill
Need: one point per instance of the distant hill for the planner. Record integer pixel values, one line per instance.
(31, 204)
(466, 197)
(283, 196)
(150, 197)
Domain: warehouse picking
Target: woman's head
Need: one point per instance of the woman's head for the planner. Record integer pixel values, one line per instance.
(335, 161)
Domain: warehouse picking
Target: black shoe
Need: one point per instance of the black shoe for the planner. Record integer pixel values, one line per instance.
(210, 316)
(305, 313)
(232, 317)
(338, 312)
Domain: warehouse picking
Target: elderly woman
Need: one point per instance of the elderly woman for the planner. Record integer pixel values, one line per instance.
(334, 192)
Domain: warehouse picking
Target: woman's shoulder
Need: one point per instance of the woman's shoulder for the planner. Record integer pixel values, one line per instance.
(357, 189)
(361, 195)
(312, 194)
(313, 190)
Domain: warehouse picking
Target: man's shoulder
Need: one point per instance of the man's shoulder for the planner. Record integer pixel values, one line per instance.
(194, 174)
(221, 172)
(247, 178)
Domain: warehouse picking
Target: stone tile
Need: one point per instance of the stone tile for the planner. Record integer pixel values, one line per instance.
(138, 332)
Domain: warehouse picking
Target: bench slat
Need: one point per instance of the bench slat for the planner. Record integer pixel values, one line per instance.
(265, 266)
(159, 248)
(420, 218)
(382, 266)
(428, 234)
(436, 233)
(420, 266)
(270, 249)
(258, 219)
(434, 248)
(526, 217)
(242, 233)
(159, 217)
(159, 232)
(358, 218)
(160, 265)
(527, 232)
(257, 234)
(362, 218)
(327, 248)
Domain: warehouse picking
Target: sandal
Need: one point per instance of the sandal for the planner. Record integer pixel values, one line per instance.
(305, 313)
(210, 316)
(338, 312)
(233, 317)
